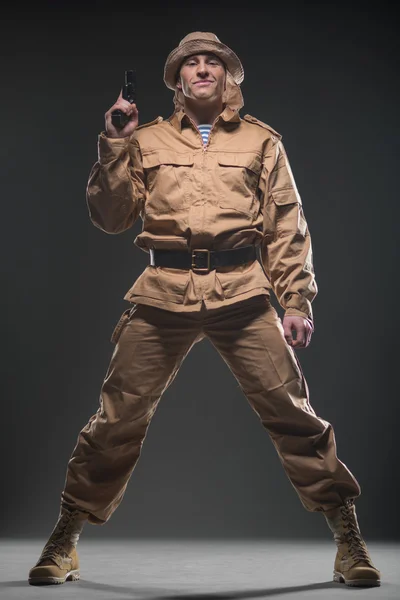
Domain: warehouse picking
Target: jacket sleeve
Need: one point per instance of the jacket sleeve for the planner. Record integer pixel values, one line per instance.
(115, 192)
(286, 250)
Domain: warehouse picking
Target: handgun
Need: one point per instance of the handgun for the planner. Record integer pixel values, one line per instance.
(118, 118)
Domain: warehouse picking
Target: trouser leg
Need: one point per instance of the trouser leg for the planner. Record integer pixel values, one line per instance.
(151, 347)
(251, 341)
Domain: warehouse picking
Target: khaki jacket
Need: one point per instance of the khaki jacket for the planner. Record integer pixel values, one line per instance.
(237, 190)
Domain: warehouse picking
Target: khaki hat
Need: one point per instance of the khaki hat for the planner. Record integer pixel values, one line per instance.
(199, 42)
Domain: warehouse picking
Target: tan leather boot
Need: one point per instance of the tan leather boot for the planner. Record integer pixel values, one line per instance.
(59, 561)
(353, 564)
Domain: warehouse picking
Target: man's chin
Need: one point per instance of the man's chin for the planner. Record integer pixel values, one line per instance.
(203, 97)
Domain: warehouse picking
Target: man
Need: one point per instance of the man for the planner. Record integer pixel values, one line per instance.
(212, 189)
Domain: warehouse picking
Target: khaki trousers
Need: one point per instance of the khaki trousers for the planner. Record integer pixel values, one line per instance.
(151, 344)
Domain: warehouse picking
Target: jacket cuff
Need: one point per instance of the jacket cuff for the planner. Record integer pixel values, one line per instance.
(109, 149)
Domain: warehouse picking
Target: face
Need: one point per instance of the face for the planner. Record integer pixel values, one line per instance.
(202, 77)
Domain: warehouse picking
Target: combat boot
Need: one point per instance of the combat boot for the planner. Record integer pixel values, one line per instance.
(59, 561)
(353, 564)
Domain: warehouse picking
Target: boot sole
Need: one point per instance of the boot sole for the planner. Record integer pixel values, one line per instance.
(71, 576)
(338, 578)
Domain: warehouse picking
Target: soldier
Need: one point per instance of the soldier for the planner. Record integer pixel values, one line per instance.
(223, 224)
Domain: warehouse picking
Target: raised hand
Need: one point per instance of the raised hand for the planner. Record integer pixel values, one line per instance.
(130, 110)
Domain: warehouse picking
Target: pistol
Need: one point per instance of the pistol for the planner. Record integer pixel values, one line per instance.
(118, 118)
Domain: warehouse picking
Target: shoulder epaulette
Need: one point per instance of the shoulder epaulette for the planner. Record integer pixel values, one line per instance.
(157, 120)
(252, 119)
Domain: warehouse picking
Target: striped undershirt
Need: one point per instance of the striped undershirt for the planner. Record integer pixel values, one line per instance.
(205, 132)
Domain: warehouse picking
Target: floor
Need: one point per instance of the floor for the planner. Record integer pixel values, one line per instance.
(196, 570)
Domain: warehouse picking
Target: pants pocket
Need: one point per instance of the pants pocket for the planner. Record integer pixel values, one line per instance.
(123, 320)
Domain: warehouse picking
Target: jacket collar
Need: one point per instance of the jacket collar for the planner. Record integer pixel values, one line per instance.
(179, 118)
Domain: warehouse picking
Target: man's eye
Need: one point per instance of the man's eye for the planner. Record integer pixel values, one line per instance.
(213, 62)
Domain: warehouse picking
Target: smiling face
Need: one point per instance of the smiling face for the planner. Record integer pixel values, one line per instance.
(202, 77)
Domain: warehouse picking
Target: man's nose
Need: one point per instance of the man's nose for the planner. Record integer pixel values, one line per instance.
(202, 69)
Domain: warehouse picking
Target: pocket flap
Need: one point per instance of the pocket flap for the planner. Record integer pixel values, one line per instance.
(250, 160)
(167, 157)
(286, 196)
(124, 318)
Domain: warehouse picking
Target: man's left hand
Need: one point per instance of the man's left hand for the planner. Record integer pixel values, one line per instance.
(303, 330)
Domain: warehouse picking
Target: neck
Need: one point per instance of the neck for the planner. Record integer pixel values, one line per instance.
(203, 114)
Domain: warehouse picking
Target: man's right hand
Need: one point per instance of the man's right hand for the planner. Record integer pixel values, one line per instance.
(130, 110)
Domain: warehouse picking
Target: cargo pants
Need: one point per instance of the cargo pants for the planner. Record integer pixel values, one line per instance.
(150, 346)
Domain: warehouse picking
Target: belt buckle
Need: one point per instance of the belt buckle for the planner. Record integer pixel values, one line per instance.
(201, 269)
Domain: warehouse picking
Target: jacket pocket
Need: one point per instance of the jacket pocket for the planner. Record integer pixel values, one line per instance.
(123, 320)
(289, 216)
(285, 196)
(168, 180)
(160, 283)
(238, 176)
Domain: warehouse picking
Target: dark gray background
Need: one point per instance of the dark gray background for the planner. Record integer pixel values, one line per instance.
(326, 78)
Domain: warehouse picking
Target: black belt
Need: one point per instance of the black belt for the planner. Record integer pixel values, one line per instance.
(202, 260)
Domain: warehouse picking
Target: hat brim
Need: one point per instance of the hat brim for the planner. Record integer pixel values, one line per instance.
(200, 46)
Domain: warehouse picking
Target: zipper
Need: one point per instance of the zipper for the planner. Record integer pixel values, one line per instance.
(204, 147)
(209, 136)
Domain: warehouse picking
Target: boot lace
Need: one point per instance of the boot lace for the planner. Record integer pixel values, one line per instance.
(61, 534)
(356, 544)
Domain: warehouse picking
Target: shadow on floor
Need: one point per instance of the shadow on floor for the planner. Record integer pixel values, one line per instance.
(230, 595)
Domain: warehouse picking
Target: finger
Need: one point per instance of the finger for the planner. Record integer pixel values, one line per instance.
(123, 105)
(288, 335)
(304, 338)
(132, 110)
(300, 340)
(299, 343)
(308, 334)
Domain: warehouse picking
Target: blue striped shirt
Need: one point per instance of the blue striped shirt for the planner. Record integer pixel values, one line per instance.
(205, 132)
